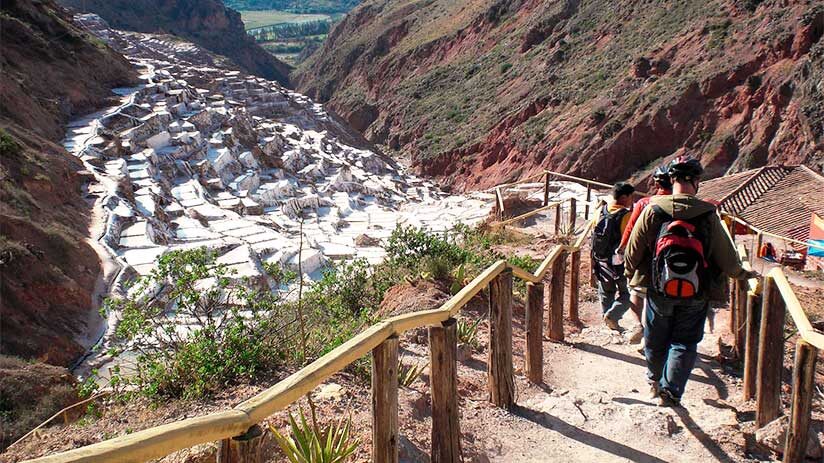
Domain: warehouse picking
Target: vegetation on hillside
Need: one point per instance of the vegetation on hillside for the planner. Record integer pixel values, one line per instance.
(294, 6)
(225, 331)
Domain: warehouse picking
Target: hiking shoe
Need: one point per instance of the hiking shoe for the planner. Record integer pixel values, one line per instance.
(654, 391)
(611, 324)
(666, 399)
(642, 347)
(636, 335)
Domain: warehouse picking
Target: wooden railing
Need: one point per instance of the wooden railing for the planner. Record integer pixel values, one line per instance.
(236, 427)
(758, 313)
(757, 322)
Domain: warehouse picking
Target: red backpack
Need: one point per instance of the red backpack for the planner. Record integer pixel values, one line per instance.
(679, 265)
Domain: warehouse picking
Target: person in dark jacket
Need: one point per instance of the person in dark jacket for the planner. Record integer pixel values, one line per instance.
(674, 327)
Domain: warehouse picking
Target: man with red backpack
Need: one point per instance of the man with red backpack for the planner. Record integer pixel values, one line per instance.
(606, 261)
(679, 250)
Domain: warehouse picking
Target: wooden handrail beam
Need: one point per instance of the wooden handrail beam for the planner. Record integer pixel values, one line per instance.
(805, 328)
(158, 441)
(303, 381)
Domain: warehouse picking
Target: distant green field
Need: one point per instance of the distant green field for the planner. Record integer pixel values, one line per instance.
(255, 19)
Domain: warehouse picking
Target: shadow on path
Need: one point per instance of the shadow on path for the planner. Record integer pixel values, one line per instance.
(587, 438)
(712, 379)
(698, 433)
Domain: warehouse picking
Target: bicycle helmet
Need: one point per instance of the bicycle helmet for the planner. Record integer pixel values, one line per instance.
(685, 168)
(661, 177)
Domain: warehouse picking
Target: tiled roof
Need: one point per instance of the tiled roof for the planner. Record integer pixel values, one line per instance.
(777, 199)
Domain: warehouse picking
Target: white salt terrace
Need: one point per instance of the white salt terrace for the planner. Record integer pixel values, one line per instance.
(242, 167)
(236, 165)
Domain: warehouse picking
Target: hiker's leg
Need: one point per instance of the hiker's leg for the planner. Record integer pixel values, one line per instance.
(621, 304)
(606, 294)
(636, 304)
(687, 332)
(657, 331)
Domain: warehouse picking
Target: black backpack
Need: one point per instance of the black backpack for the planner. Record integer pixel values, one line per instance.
(606, 237)
(680, 269)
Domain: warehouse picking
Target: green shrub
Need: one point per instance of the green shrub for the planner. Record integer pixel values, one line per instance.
(530, 264)
(8, 146)
(237, 332)
(410, 244)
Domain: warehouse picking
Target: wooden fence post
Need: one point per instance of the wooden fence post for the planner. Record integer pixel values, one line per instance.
(534, 355)
(555, 318)
(572, 216)
(443, 383)
(795, 449)
(574, 285)
(589, 199)
(732, 287)
(546, 189)
(741, 318)
(385, 401)
(557, 219)
(500, 377)
(770, 355)
(751, 346)
(241, 449)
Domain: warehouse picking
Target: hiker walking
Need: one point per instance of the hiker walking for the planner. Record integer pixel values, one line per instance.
(607, 262)
(679, 250)
(638, 294)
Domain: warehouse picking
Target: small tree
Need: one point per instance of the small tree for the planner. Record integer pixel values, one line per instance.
(196, 329)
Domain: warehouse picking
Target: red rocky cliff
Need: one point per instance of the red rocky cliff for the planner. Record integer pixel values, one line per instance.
(52, 71)
(482, 92)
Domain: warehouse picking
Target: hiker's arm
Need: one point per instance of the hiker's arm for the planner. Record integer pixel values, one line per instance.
(723, 253)
(637, 246)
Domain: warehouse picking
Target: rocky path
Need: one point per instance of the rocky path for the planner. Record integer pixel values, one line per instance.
(596, 407)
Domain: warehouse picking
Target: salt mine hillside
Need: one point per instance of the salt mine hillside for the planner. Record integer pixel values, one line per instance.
(393, 252)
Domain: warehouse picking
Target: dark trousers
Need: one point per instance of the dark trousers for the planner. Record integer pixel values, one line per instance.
(672, 333)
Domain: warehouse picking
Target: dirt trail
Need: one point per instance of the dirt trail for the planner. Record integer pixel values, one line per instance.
(596, 407)
(595, 403)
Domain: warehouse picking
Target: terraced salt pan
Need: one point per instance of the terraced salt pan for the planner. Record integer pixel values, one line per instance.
(243, 167)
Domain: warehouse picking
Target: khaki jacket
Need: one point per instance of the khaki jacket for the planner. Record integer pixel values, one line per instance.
(721, 253)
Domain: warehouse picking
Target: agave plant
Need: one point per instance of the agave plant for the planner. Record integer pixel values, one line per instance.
(458, 279)
(408, 374)
(312, 443)
(468, 332)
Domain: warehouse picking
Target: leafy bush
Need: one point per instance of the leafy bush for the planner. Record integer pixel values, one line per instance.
(312, 443)
(235, 331)
(530, 264)
(347, 286)
(8, 146)
(408, 245)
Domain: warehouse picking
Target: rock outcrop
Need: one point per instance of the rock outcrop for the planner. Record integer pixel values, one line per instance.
(51, 71)
(483, 92)
(207, 23)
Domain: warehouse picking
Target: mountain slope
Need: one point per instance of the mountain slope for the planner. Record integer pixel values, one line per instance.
(205, 22)
(484, 91)
(52, 71)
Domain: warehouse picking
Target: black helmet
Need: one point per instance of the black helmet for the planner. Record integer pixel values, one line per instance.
(685, 168)
(662, 177)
